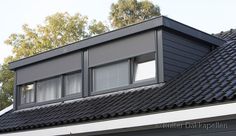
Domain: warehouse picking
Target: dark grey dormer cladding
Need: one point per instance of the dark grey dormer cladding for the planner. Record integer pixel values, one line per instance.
(173, 47)
(49, 68)
(181, 52)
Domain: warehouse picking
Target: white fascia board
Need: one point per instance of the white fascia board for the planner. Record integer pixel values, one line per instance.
(6, 110)
(135, 121)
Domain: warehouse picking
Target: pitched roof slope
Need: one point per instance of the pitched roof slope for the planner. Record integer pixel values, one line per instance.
(227, 35)
(213, 79)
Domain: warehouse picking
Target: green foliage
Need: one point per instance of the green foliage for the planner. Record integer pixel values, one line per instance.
(57, 30)
(126, 12)
(4, 100)
(97, 27)
(6, 84)
(63, 28)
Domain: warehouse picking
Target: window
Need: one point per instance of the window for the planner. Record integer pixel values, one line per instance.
(73, 83)
(111, 76)
(49, 89)
(144, 67)
(132, 72)
(27, 93)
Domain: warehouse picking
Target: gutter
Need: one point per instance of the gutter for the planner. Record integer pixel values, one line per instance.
(141, 121)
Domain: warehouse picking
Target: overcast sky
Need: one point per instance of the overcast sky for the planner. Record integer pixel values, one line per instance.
(211, 16)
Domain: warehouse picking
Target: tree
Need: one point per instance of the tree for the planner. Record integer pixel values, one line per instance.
(4, 100)
(126, 12)
(61, 29)
(6, 84)
(58, 30)
(97, 27)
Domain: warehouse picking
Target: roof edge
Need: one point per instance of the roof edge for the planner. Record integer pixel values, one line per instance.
(160, 21)
(191, 31)
(7, 109)
(155, 118)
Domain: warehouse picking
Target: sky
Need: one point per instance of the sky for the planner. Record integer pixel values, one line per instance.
(211, 16)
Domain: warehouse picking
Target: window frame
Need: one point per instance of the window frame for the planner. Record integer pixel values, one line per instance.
(131, 76)
(91, 81)
(61, 99)
(63, 84)
(50, 78)
(142, 59)
(20, 92)
(89, 85)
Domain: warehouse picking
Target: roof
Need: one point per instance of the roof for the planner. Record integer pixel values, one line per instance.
(212, 80)
(227, 35)
(7, 109)
(154, 23)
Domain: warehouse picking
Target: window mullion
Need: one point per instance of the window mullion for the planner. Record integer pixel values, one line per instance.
(35, 92)
(131, 70)
(85, 75)
(62, 86)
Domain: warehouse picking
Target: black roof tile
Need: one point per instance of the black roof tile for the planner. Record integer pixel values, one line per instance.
(213, 79)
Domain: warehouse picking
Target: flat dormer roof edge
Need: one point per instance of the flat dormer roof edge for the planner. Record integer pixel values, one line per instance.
(153, 23)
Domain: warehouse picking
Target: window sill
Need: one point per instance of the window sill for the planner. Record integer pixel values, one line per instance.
(134, 85)
(60, 100)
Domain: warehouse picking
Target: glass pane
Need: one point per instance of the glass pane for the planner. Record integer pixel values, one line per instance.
(73, 83)
(27, 93)
(111, 76)
(48, 89)
(145, 70)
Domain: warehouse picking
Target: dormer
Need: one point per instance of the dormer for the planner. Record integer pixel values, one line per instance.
(152, 52)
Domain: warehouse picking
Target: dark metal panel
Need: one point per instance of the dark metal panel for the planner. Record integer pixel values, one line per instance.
(177, 56)
(86, 76)
(170, 74)
(176, 62)
(185, 47)
(109, 36)
(185, 41)
(15, 93)
(180, 132)
(62, 87)
(161, 21)
(181, 52)
(216, 128)
(167, 77)
(173, 68)
(130, 86)
(175, 25)
(123, 48)
(49, 68)
(186, 54)
(190, 54)
(159, 56)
